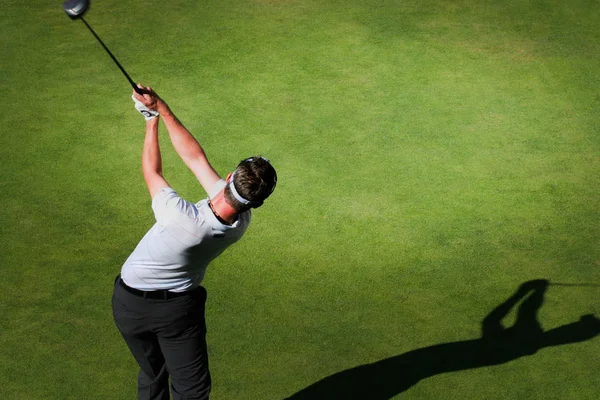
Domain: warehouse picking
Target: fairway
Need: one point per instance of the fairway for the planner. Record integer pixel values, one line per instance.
(432, 157)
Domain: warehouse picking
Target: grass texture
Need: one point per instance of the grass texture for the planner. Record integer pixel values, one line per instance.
(432, 156)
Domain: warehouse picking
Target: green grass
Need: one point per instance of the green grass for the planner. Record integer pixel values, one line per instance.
(432, 156)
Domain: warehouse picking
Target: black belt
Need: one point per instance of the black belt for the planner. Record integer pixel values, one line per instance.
(154, 294)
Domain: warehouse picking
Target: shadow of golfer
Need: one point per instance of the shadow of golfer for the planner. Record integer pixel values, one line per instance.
(386, 378)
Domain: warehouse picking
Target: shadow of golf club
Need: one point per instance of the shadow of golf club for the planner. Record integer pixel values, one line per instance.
(386, 378)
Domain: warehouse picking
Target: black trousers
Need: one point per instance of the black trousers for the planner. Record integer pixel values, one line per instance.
(167, 337)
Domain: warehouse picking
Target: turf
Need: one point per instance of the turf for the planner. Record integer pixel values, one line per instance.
(432, 157)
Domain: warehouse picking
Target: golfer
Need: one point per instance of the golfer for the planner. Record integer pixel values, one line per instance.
(158, 303)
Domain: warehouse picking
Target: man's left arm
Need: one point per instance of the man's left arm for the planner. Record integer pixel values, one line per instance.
(151, 159)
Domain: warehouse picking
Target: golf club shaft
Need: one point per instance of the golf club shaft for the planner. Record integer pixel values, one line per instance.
(133, 85)
(575, 284)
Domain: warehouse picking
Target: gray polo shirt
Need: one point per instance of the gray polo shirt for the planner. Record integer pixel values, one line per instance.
(175, 252)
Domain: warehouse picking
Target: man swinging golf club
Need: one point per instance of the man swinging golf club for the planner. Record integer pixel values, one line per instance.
(158, 303)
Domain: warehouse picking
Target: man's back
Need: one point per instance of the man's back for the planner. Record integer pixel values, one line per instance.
(175, 252)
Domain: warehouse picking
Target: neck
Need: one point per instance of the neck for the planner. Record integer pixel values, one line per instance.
(222, 210)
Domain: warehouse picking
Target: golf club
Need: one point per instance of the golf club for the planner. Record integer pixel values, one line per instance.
(75, 10)
(575, 284)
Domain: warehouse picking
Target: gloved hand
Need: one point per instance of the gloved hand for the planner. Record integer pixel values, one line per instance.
(145, 111)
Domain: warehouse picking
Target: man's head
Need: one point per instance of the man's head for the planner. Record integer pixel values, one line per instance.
(251, 183)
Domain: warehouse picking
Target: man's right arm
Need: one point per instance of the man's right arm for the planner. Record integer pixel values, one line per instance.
(188, 148)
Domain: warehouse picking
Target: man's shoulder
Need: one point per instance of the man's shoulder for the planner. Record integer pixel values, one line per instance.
(245, 216)
(164, 195)
(168, 204)
(216, 188)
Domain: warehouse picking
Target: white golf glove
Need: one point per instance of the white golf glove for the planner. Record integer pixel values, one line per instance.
(145, 111)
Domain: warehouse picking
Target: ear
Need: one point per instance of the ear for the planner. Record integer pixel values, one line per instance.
(228, 177)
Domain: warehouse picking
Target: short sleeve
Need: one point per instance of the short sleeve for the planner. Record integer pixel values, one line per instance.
(167, 205)
(216, 188)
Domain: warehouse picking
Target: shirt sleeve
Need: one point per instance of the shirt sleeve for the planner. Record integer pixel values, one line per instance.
(167, 205)
(216, 188)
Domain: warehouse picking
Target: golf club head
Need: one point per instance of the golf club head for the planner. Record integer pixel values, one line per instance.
(76, 8)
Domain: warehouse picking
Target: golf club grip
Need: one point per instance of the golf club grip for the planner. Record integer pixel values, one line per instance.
(138, 90)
